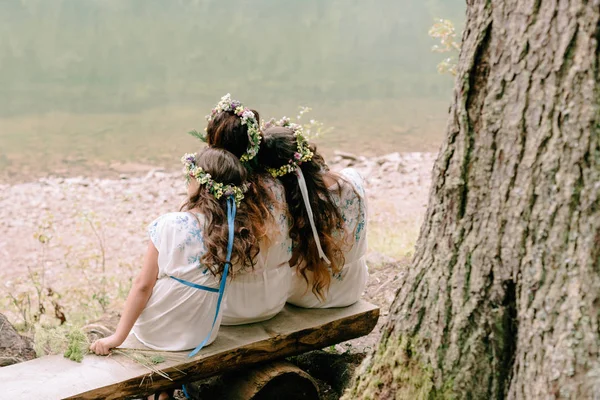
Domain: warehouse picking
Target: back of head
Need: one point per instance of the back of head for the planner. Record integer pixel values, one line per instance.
(226, 131)
(224, 169)
(278, 148)
(222, 165)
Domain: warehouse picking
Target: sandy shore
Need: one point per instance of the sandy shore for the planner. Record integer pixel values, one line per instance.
(94, 229)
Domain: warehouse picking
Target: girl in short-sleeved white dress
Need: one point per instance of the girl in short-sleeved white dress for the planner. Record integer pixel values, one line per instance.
(186, 313)
(348, 285)
(259, 294)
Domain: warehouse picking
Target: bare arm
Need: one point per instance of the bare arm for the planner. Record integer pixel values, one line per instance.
(136, 301)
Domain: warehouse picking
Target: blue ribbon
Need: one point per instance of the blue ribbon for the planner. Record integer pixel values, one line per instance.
(195, 285)
(231, 211)
(185, 392)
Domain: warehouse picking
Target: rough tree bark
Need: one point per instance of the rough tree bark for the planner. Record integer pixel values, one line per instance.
(502, 299)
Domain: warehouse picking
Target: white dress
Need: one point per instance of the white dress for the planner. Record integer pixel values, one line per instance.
(178, 317)
(348, 285)
(261, 293)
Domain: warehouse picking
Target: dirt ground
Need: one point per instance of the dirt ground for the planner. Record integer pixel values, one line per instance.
(84, 237)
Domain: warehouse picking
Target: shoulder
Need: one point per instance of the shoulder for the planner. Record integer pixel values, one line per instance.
(176, 229)
(172, 218)
(275, 187)
(176, 220)
(354, 177)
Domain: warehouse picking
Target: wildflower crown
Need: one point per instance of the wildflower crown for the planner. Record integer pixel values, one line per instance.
(247, 117)
(302, 154)
(217, 189)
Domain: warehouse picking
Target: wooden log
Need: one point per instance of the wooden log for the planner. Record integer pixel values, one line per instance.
(293, 331)
(275, 380)
(334, 369)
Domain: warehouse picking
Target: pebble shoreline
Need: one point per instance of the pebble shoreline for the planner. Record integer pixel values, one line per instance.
(397, 188)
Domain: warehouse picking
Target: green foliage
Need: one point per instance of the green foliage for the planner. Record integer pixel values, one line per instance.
(396, 239)
(198, 135)
(68, 340)
(31, 297)
(312, 129)
(145, 359)
(157, 359)
(77, 345)
(93, 267)
(89, 288)
(444, 30)
(396, 368)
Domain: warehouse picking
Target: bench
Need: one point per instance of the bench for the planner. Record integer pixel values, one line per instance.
(294, 331)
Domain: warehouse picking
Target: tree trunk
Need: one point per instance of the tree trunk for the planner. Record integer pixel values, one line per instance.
(502, 299)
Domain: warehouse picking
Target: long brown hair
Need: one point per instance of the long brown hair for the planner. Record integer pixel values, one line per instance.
(224, 167)
(226, 131)
(277, 148)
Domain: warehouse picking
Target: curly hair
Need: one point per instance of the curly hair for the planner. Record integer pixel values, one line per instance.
(225, 131)
(277, 148)
(224, 167)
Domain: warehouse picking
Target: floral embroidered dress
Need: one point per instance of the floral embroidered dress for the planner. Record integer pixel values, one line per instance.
(259, 294)
(178, 317)
(348, 285)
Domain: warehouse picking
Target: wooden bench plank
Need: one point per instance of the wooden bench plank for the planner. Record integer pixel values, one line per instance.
(293, 331)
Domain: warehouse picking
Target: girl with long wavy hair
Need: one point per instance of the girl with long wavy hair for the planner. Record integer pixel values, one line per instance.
(329, 219)
(175, 302)
(261, 294)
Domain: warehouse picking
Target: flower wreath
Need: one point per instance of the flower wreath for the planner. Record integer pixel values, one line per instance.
(303, 153)
(217, 189)
(248, 118)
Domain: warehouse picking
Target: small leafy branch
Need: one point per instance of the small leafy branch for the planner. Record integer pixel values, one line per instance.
(444, 30)
(198, 135)
(93, 285)
(71, 341)
(98, 286)
(313, 128)
(31, 307)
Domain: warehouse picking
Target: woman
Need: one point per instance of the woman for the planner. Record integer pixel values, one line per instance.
(329, 214)
(262, 292)
(174, 302)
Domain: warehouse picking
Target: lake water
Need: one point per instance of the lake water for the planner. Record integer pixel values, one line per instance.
(93, 86)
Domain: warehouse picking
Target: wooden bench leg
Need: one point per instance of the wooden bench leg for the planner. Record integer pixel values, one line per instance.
(272, 381)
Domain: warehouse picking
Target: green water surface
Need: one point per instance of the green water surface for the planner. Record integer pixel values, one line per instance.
(88, 84)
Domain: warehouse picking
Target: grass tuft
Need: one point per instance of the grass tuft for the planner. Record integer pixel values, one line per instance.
(395, 239)
(68, 340)
(149, 361)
